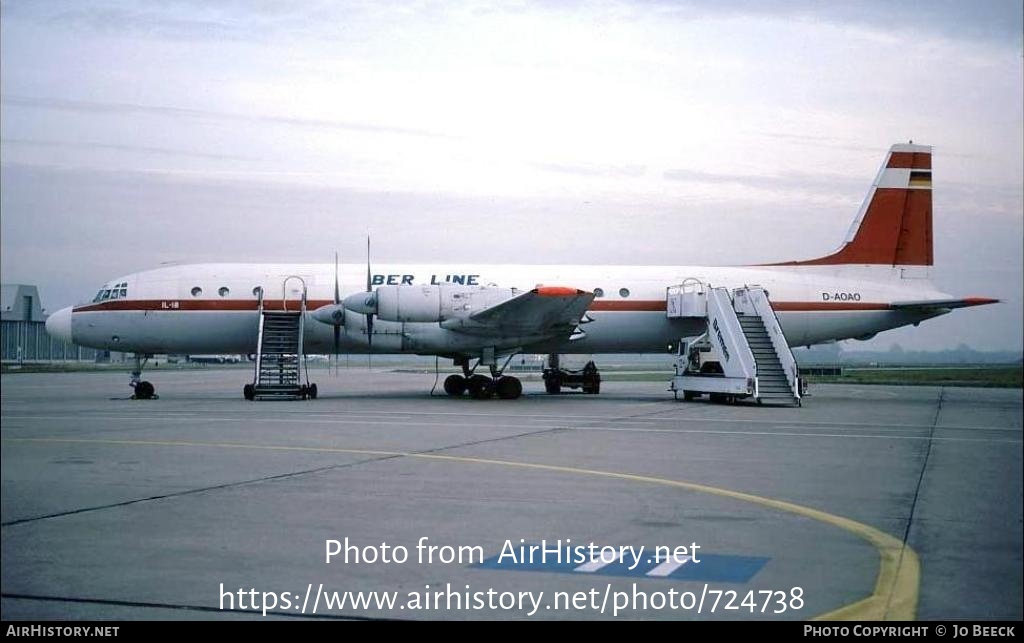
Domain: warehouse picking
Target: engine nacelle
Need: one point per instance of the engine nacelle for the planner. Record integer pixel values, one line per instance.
(435, 303)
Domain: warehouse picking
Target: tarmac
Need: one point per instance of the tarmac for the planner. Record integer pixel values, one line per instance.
(868, 502)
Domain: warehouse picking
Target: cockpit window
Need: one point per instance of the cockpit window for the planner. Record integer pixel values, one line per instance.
(119, 291)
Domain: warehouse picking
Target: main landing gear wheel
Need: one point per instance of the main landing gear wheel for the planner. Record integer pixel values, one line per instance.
(144, 391)
(311, 391)
(455, 385)
(249, 392)
(480, 387)
(508, 387)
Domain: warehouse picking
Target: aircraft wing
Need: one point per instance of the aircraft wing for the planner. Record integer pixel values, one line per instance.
(545, 310)
(942, 304)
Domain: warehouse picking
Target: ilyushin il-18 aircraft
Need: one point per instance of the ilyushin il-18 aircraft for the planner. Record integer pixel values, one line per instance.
(482, 315)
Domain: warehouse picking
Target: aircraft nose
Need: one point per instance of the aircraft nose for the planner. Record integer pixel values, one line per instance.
(58, 324)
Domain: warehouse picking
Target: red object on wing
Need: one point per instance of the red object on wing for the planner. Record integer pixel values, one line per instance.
(557, 291)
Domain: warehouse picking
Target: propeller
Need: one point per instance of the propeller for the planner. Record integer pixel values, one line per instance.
(363, 303)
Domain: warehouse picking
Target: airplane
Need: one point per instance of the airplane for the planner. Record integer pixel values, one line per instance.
(878, 279)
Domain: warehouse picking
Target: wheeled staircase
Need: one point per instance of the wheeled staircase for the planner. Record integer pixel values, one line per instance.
(742, 354)
(279, 358)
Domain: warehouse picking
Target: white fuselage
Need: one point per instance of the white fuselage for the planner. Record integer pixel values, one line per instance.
(212, 308)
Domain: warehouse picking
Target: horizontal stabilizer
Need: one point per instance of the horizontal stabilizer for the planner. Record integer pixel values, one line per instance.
(943, 304)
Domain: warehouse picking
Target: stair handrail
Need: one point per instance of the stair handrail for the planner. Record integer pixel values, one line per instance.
(284, 292)
(693, 280)
(760, 300)
(259, 335)
(675, 296)
(299, 356)
(729, 333)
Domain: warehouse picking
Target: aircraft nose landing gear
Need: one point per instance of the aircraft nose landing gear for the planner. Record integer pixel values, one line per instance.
(143, 390)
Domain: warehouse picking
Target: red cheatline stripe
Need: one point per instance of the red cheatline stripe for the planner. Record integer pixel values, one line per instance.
(648, 305)
(809, 306)
(197, 304)
(634, 306)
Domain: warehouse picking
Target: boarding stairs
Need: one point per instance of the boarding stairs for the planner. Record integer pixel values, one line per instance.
(742, 354)
(279, 357)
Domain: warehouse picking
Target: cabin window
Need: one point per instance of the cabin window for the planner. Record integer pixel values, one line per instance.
(196, 291)
(623, 292)
(598, 292)
(223, 291)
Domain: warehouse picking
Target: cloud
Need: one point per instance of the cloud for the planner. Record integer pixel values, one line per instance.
(93, 145)
(819, 183)
(592, 170)
(120, 109)
(989, 21)
(997, 21)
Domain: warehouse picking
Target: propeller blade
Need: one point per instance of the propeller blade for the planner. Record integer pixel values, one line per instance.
(368, 284)
(369, 316)
(337, 329)
(337, 292)
(337, 347)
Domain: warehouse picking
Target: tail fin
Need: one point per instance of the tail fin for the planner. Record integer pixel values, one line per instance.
(894, 224)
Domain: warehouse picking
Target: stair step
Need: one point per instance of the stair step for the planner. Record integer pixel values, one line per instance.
(279, 375)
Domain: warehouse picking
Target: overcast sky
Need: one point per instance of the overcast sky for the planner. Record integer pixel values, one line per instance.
(135, 133)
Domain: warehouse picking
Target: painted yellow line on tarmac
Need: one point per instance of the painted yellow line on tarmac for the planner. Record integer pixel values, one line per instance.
(899, 571)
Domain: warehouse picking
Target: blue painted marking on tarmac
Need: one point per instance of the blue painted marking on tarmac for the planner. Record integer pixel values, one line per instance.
(721, 568)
